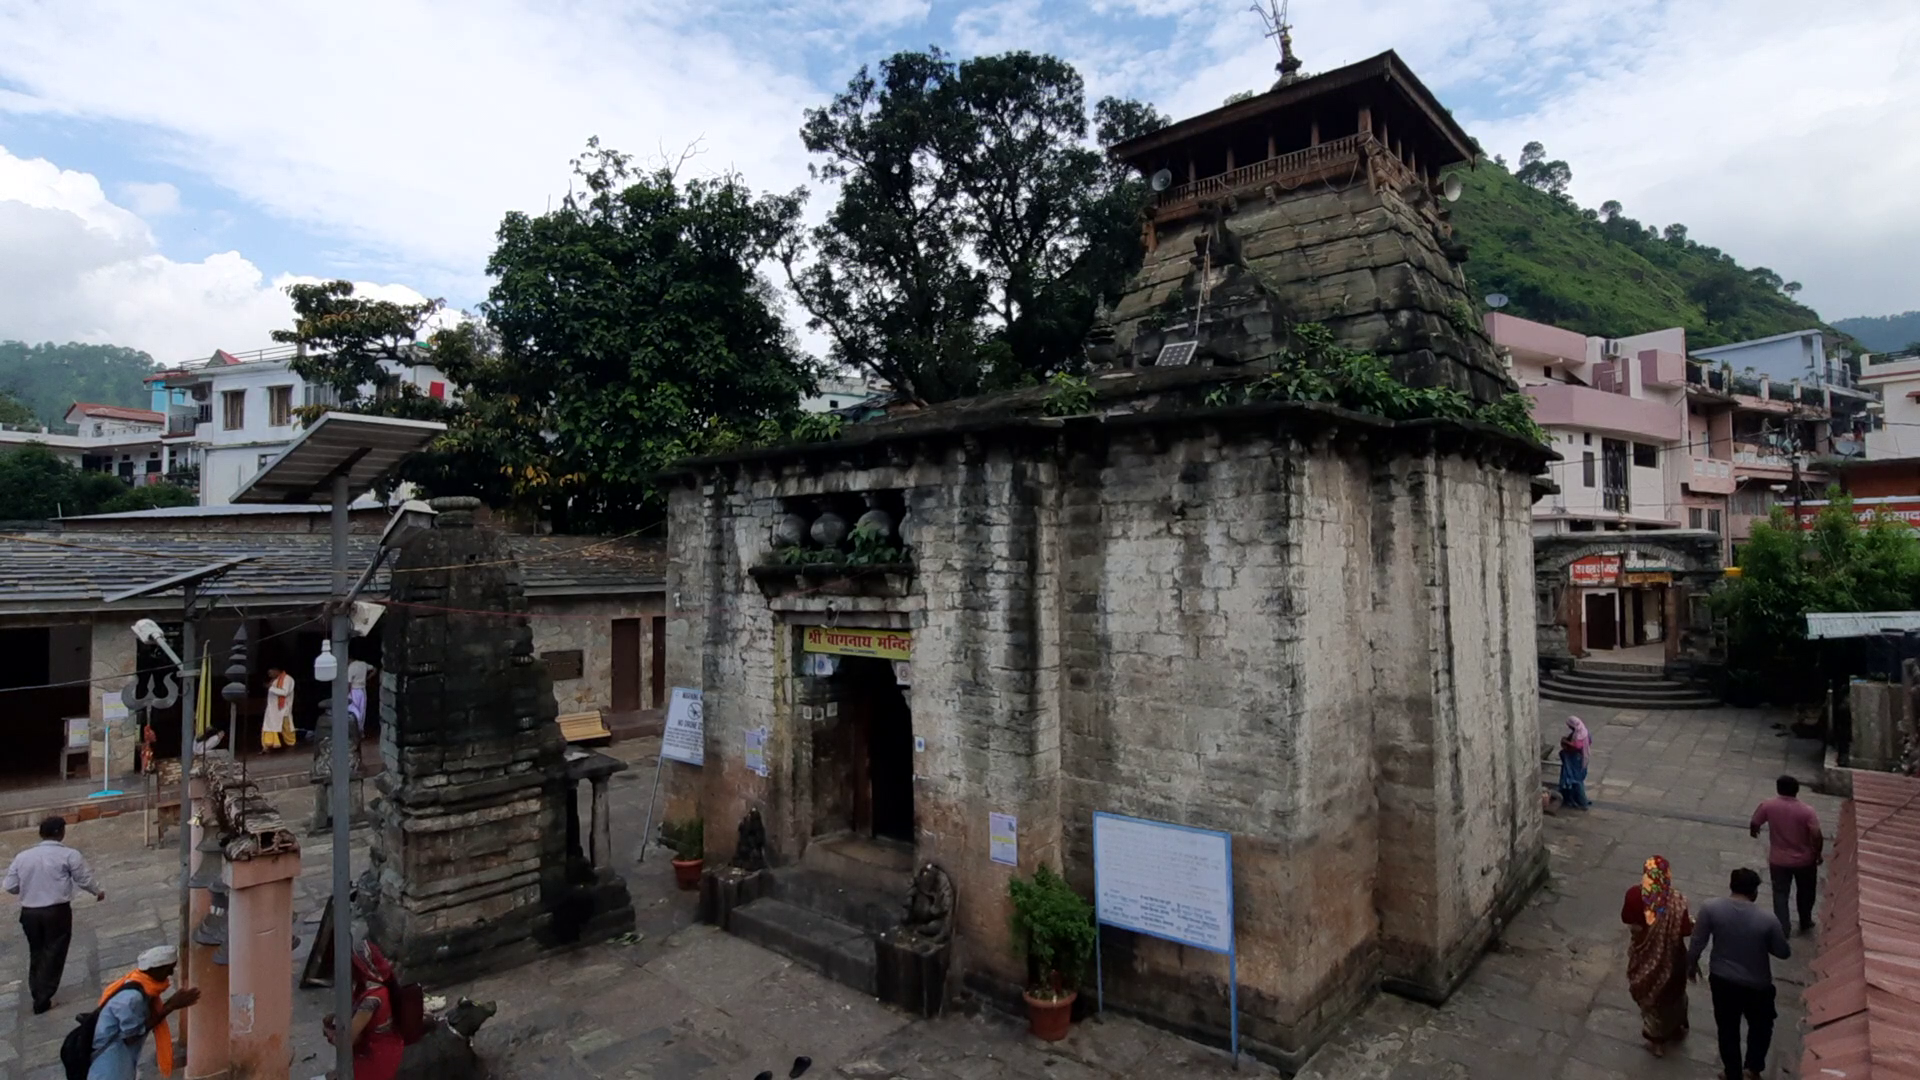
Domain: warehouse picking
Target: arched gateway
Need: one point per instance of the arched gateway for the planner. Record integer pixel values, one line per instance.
(1632, 597)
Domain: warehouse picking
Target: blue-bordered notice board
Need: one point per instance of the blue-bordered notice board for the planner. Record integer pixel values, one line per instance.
(1172, 882)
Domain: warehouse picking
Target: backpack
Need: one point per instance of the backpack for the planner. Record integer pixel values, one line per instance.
(76, 1050)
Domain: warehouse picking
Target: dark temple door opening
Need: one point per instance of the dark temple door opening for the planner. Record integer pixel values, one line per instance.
(883, 717)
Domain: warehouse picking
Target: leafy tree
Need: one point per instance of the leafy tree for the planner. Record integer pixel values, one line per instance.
(37, 485)
(1532, 154)
(632, 330)
(49, 378)
(1610, 209)
(1676, 234)
(353, 344)
(1786, 572)
(974, 231)
(15, 413)
(1239, 96)
(1792, 288)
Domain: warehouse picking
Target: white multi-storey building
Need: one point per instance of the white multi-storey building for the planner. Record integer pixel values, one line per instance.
(116, 439)
(228, 416)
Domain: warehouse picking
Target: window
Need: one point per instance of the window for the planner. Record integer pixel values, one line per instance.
(233, 410)
(1693, 517)
(1713, 520)
(1586, 469)
(1589, 438)
(279, 406)
(1645, 456)
(1579, 526)
(1613, 475)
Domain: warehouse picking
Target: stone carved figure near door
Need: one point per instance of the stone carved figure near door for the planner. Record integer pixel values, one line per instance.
(750, 847)
(930, 905)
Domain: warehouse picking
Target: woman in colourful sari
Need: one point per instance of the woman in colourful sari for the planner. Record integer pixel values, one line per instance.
(377, 1044)
(1657, 955)
(1575, 745)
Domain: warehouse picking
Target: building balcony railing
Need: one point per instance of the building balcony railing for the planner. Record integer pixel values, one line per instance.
(1559, 404)
(1711, 476)
(1616, 499)
(1351, 153)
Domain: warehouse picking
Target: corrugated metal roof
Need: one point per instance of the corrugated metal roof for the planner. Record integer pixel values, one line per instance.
(361, 448)
(72, 569)
(1849, 624)
(1863, 1009)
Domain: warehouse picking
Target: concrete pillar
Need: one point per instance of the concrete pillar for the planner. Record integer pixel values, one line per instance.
(113, 661)
(205, 1029)
(601, 850)
(260, 965)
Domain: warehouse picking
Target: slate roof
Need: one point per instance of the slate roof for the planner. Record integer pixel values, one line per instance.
(73, 570)
(1863, 1009)
(118, 412)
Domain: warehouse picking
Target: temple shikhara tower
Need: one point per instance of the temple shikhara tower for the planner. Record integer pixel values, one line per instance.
(1318, 201)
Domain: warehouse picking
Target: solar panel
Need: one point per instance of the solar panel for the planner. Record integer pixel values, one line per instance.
(1176, 354)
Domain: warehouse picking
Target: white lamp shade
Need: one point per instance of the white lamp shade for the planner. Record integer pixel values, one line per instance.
(325, 667)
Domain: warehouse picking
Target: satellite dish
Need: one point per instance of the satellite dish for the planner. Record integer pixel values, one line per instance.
(1450, 189)
(1496, 301)
(1161, 180)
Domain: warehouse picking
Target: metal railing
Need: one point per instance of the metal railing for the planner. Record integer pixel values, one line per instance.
(1348, 148)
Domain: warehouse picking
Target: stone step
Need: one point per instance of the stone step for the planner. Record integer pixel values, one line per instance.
(1608, 667)
(841, 951)
(1624, 674)
(849, 900)
(1590, 697)
(1643, 691)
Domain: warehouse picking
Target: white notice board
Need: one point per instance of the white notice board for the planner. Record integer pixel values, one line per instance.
(1169, 881)
(685, 735)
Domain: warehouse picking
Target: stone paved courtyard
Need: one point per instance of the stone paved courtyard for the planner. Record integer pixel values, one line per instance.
(682, 1001)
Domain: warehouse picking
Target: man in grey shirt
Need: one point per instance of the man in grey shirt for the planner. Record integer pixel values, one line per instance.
(44, 877)
(1745, 938)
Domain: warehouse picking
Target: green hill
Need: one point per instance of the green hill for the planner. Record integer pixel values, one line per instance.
(1883, 333)
(49, 378)
(1610, 276)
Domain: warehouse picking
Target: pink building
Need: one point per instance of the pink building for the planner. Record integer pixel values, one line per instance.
(1616, 412)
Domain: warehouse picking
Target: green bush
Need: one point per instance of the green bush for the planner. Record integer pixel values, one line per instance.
(1053, 929)
(687, 837)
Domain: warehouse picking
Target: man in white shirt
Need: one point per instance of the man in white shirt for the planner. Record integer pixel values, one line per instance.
(44, 877)
(276, 727)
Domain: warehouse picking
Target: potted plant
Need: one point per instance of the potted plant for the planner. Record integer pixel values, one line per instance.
(1053, 929)
(688, 839)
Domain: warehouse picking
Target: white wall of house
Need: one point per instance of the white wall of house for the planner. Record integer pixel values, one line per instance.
(1897, 380)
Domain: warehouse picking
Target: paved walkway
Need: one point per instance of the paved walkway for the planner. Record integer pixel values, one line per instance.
(682, 1001)
(1551, 1000)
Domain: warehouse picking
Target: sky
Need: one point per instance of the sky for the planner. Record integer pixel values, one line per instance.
(166, 169)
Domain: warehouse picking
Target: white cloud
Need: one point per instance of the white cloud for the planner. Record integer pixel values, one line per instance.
(151, 200)
(82, 268)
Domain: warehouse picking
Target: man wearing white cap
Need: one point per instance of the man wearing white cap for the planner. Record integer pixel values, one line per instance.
(126, 1019)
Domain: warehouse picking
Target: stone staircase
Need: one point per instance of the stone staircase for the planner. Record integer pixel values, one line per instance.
(1623, 686)
(827, 910)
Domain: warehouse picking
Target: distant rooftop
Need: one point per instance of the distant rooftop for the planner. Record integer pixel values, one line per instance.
(116, 412)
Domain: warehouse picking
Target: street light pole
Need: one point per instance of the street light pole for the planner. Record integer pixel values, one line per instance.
(189, 708)
(342, 827)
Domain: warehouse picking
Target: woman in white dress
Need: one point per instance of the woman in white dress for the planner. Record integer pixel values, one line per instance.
(276, 728)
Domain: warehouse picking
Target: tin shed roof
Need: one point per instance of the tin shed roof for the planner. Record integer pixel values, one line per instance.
(1863, 1009)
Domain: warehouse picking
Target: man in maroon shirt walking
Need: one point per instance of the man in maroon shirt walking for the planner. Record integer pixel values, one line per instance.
(1793, 850)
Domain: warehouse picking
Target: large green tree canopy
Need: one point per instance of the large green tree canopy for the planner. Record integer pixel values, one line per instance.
(975, 229)
(36, 485)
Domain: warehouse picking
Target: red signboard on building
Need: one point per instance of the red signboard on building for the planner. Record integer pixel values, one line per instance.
(1595, 571)
(1904, 509)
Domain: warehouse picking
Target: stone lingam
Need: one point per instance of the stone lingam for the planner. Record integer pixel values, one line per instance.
(473, 855)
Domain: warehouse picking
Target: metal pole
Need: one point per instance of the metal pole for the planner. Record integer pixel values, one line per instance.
(646, 831)
(342, 828)
(189, 711)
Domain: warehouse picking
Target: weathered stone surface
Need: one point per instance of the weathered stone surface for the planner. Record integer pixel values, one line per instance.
(477, 847)
(1318, 643)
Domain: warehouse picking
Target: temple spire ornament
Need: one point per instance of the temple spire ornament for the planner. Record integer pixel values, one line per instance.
(1274, 15)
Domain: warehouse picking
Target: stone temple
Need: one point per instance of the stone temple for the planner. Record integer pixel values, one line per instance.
(1311, 628)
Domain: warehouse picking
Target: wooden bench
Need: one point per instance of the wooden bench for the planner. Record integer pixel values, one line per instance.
(584, 727)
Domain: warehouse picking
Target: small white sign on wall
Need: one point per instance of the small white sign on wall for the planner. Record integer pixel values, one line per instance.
(685, 737)
(757, 751)
(1003, 839)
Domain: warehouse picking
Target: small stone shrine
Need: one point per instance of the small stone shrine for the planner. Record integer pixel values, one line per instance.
(476, 853)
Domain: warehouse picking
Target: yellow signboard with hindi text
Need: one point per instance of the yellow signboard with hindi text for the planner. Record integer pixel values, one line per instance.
(855, 641)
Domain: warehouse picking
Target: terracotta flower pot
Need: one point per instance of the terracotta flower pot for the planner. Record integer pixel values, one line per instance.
(686, 872)
(1050, 1019)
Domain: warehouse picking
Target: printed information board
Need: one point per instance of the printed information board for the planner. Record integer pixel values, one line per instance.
(685, 735)
(1169, 881)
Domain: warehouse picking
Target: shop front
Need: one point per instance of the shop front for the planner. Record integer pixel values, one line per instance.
(1631, 597)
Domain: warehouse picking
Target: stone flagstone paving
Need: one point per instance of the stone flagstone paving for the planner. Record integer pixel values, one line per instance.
(683, 1001)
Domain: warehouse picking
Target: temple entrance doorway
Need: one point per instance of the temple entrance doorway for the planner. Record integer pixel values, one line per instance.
(881, 732)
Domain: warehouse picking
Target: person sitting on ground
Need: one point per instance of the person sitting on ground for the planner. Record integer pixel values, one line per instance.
(377, 1043)
(125, 1019)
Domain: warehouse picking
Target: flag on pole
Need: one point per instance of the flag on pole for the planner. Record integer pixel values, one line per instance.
(203, 708)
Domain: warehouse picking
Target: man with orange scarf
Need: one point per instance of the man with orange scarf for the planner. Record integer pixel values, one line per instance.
(125, 1019)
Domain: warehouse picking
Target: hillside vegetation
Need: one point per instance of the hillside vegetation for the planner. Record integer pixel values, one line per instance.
(1601, 272)
(1883, 333)
(49, 378)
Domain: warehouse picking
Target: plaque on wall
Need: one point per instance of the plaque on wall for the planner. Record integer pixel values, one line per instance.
(564, 664)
